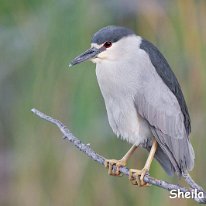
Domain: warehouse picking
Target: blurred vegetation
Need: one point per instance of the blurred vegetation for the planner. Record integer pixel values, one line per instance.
(37, 41)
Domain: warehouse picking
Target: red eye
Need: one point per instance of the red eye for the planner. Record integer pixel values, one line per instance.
(108, 44)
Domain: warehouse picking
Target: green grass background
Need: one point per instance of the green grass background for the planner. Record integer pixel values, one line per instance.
(37, 41)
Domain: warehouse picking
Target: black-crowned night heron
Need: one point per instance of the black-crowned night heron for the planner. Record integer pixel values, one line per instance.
(143, 99)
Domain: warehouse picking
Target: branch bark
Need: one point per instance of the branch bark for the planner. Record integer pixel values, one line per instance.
(85, 148)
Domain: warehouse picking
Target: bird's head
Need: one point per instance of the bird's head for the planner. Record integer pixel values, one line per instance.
(108, 44)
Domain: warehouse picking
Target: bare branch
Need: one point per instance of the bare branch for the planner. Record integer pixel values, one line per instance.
(124, 170)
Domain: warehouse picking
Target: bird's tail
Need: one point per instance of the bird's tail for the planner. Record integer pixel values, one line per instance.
(176, 152)
(170, 163)
(164, 161)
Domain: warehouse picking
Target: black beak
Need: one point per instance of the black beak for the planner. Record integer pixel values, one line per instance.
(88, 54)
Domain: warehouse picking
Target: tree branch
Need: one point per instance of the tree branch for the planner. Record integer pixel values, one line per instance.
(98, 158)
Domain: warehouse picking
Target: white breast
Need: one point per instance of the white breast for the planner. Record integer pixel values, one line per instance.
(125, 121)
(118, 83)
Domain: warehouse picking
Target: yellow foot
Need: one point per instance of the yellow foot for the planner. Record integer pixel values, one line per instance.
(118, 163)
(137, 177)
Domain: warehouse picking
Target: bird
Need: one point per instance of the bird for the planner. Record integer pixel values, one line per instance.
(144, 101)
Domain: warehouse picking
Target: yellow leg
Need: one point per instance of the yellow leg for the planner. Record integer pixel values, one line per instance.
(137, 176)
(109, 163)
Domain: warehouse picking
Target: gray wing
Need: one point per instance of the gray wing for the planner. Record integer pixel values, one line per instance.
(167, 75)
(158, 104)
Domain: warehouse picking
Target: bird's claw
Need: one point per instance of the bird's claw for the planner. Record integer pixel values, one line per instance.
(137, 177)
(112, 162)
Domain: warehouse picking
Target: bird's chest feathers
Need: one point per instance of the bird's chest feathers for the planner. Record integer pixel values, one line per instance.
(115, 80)
(118, 91)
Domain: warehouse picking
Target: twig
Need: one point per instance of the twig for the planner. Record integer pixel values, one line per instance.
(98, 158)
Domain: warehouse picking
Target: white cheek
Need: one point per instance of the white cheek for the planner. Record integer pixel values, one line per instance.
(103, 55)
(100, 57)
